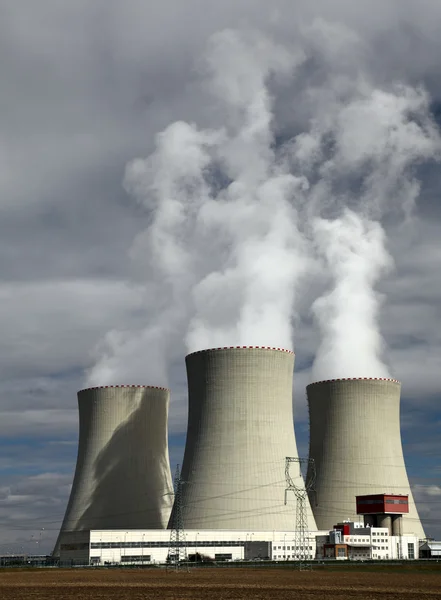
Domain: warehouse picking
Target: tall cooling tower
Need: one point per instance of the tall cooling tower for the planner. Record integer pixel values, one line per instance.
(355, 441)
(240, 430)
(122, 477)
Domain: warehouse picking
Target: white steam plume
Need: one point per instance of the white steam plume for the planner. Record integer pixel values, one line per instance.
(239, 221)
(372, 144)
(248, 296)
(355, 256)
(222, 253)
(170, 185)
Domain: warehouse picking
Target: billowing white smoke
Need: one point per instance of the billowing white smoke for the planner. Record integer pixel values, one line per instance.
(376, 140)
(171, 186)
(356, 257)
(239, 220)
(247, 295)
(223, 253)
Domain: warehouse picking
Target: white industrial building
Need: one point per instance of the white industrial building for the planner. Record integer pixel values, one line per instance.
(354, 541)
(240, 431)
(102, 547)
(122, 477)
(355, 441)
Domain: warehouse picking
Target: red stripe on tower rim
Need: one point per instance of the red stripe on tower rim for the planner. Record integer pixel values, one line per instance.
(354, 379)
(104, 387)
(206, 350)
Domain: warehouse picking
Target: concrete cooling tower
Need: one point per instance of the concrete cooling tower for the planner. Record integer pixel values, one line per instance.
(122, 478)
(240, 430)
(355, 441)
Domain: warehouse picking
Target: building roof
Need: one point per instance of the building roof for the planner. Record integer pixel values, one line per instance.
(432, 545)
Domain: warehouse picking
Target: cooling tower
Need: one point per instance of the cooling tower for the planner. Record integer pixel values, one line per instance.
(355, 441)
(240, 430)
(122, 477)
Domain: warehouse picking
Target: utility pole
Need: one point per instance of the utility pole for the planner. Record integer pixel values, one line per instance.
(177, 550)
(301, 493)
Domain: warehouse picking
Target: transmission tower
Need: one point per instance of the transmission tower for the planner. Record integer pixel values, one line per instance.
(177, 550)
(301, 540)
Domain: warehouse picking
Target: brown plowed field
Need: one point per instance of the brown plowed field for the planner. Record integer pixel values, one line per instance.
(219, 584)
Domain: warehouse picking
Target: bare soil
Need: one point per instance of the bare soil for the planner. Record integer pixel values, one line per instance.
(220, 584)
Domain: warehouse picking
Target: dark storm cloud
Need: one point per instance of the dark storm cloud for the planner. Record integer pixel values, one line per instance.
(85, 88)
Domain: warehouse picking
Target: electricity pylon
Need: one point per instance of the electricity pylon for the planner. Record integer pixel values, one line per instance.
(177, 550)
(301, 493)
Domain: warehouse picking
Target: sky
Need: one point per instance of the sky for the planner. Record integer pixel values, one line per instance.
(281, 132)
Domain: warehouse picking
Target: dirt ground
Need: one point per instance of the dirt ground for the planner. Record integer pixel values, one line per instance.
(218, 584)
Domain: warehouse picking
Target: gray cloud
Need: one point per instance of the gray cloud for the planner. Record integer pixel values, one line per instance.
(85, 88)
(428, 499)
(31, 509)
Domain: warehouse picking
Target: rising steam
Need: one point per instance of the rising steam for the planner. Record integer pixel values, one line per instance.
(365, 158)
(355, 256)
(241, 222)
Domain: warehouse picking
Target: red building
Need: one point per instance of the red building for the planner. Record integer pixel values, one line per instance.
(383, 510)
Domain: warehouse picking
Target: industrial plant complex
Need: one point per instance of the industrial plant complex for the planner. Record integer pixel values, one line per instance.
(243, 493)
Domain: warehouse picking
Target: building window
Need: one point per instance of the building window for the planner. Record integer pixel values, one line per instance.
(411, 551)
(136, 558)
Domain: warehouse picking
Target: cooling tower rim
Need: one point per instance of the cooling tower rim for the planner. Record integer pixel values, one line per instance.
(104, 387)
(354, 379)
(206, 350)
